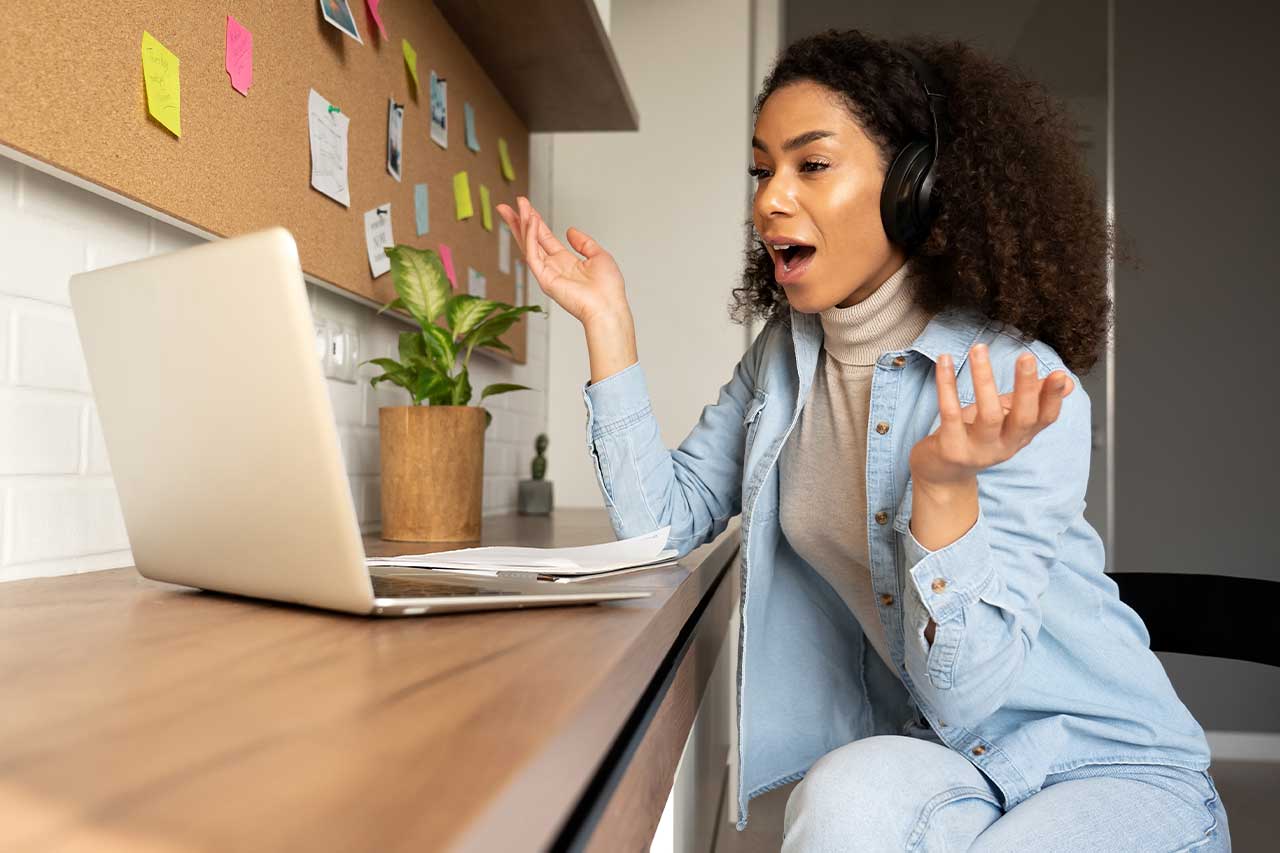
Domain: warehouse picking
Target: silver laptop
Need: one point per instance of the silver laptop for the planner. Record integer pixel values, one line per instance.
(223, 443)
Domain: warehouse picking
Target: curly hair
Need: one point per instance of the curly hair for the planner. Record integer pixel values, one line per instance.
(1019, 232)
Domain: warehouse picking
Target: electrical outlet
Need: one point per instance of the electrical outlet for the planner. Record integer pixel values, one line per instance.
(336, 353)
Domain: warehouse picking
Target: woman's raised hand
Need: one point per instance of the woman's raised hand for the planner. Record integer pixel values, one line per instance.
(993, 428)
(588, 287)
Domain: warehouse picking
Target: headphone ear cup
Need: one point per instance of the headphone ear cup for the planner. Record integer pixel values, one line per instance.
(903, 211)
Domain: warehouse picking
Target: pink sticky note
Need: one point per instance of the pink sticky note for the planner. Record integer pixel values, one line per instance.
(239, 56)
(377, 19)
(446, 256)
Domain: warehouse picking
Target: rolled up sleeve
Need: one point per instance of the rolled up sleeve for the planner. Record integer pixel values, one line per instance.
(983, 590)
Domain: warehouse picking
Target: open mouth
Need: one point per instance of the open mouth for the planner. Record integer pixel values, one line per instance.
(795, 255)
(790, 260)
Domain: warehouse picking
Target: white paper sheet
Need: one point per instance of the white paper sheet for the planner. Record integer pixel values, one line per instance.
(377, 235)
(580, 560)
(328, 128)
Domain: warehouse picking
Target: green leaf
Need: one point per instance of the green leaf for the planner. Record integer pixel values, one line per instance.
(394, 303)
(440, 345)
(465, 311)
(462, 390)
(431, 386)
(495, 326)
(420, 281)
(413, 350)
(502, 388)
(497, 344)
(390, 365)
(488, 418)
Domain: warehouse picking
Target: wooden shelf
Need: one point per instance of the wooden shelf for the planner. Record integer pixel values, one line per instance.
(551, 59)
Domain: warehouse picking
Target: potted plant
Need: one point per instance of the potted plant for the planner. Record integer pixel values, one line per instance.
(433, 454)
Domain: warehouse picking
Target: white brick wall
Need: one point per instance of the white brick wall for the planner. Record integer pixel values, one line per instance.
(58, 507)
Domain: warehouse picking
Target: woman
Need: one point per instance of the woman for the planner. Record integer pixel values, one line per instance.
(928, 638)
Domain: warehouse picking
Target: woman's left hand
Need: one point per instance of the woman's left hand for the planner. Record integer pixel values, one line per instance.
(990, 430)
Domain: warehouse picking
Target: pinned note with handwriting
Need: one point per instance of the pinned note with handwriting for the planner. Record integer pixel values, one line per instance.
(164, 91)
(328, 128)
(239, 58)
(377, 235)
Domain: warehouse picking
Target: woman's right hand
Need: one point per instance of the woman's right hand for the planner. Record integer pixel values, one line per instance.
(587, 287)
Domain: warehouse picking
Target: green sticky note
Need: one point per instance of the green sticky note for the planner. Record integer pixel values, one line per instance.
(486, 218)
(507, 172)
(410, 59)
(160, 72)
(462, 196)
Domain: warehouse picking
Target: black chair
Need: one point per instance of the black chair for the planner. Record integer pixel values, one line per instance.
(1213, 615)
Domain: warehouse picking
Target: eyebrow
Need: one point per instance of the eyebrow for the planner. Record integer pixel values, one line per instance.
(795, 141)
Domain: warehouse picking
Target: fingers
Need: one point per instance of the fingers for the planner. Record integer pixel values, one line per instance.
(1051, 394)
(1020, 426)
(952, 426)
(583, 242)
(990, 413)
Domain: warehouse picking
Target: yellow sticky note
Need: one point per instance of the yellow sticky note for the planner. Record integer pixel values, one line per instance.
(507, 172)
(164, 95)
(410, 59)
(485, 216)
(462, 196)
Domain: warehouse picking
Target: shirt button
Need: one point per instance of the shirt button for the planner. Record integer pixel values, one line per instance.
(882, 427)
(938, 585)
(882, 517)
(979, 749)
(886, 599)
(899, 361)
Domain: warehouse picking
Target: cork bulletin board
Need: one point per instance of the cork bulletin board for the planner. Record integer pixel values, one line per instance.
(72, 96)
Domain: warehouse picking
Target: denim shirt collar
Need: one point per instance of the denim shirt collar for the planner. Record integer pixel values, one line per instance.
(952, 330)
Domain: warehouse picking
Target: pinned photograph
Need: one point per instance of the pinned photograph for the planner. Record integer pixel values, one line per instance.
(395, 136)
(439, 111)
(338, 13)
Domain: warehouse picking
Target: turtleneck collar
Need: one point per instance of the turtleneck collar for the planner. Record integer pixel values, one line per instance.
(887, 320)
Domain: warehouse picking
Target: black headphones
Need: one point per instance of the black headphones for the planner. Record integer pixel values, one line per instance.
(906, 202)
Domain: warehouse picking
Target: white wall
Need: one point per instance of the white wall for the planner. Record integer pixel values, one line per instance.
(669, 202)
(58, 508)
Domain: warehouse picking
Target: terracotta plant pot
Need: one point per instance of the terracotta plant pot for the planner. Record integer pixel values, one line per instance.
(432, 472)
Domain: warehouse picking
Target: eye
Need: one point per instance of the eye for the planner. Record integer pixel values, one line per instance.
(819, 164)
(757, 173)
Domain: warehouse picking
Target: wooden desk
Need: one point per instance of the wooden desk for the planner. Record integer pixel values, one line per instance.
(144, 716)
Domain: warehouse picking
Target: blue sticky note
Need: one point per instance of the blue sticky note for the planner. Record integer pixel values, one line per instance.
(472, 142)
(420, 207)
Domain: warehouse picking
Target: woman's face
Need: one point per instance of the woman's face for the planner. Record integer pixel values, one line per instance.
(818, 186)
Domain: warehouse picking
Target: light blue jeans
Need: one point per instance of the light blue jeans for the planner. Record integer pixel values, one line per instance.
(914, 793)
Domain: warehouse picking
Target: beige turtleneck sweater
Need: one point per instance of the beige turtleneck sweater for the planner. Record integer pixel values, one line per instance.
(822, 467)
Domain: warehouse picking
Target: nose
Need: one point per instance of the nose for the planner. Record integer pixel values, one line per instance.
(775, 198)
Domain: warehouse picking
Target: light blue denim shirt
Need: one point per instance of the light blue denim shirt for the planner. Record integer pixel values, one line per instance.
(1036, 666)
